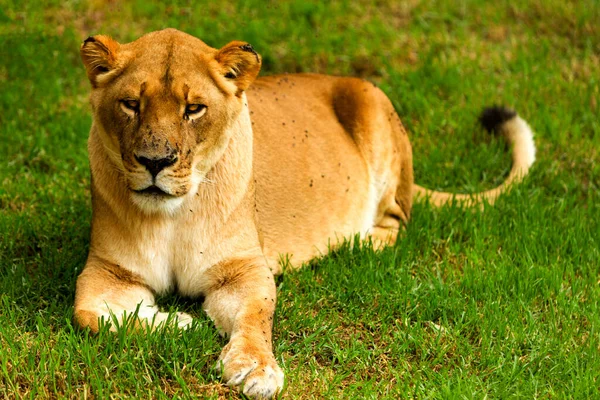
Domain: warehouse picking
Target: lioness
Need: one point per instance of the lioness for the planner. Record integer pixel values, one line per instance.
(200, 182)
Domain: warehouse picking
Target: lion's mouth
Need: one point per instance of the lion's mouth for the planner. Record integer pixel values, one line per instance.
(153, 190)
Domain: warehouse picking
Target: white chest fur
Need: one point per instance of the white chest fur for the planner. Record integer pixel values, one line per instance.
(173, 253)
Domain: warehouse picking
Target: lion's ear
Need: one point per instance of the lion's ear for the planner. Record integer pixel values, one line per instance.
(100, 55)
(240, 64)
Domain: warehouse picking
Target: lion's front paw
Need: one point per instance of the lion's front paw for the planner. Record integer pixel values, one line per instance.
(255, 371)
(184, 320)
(150, 316)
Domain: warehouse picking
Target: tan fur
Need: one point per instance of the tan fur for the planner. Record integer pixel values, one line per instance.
(286, 165)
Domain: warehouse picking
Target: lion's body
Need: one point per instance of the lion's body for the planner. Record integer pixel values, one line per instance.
(200, 183)
(335, 164)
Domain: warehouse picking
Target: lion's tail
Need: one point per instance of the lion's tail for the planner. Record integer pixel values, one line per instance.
(518, 134)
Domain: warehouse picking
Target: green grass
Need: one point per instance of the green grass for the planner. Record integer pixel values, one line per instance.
(494, 304)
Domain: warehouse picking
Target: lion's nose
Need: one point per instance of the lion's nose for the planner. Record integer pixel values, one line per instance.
(155, 165)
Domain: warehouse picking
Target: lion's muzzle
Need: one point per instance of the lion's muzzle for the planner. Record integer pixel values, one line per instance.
(154, 165)
(154, 191)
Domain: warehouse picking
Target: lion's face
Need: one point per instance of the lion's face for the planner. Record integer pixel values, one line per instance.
(165, 106)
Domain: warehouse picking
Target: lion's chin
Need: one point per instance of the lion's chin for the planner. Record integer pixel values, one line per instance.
(156, 203)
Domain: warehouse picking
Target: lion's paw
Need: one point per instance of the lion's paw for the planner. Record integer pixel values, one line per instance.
(184, 320)
(154, 318)
(258, 374)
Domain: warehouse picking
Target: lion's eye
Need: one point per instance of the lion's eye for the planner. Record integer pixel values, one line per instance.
(191, 109)
(195, 110)
(131, 105)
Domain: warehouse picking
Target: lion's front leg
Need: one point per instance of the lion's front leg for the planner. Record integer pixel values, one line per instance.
(241, 301)
(108, 291)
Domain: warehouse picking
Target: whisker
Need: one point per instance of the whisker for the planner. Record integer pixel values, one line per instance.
(206, 180)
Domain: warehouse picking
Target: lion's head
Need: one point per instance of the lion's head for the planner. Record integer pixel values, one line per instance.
(164, 107)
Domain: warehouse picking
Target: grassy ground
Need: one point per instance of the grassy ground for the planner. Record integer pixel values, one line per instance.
(500, 303)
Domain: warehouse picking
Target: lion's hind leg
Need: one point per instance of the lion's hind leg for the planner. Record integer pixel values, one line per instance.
(108, 292)
(391, 218)
(381, 237)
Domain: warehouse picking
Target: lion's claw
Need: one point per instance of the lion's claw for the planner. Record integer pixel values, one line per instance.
(258, 375)
(264, 382)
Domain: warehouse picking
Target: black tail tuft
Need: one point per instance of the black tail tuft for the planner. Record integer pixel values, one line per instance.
(492, 118)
